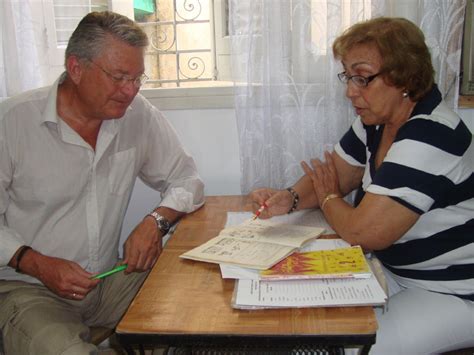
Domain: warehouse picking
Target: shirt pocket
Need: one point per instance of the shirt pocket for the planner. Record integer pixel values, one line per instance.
(122, 167)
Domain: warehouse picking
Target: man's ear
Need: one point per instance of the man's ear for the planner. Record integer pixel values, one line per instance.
(75, 68)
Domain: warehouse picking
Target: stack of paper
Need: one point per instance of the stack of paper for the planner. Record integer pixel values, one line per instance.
(307, 272)
(344, 289)
(308, 293)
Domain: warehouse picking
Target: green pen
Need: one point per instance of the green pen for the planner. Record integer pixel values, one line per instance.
(110, 272)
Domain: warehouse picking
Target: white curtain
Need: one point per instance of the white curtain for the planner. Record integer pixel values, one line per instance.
(289, 103)
(19, 62)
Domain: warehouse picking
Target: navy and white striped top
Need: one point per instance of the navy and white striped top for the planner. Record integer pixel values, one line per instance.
(428, 169)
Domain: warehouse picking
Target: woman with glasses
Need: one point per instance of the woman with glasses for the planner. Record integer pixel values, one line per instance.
(407, 156)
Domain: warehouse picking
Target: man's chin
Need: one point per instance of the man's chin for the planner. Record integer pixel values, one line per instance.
(116, 113)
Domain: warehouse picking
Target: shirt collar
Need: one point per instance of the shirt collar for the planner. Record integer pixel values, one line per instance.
(428, 102)
(50, 113)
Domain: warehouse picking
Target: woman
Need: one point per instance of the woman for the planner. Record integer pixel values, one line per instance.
(407, 154)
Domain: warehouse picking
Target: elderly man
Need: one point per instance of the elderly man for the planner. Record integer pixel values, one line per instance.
(69, 158)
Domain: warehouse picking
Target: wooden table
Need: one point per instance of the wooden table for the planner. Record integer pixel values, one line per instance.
(187, 303)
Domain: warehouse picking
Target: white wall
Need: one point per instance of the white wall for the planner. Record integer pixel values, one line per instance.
(210, 136)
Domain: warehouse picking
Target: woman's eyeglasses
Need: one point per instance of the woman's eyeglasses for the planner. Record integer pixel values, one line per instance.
(359, 80)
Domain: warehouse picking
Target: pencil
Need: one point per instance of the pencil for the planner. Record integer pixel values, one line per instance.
(110, 272)
(260, 210)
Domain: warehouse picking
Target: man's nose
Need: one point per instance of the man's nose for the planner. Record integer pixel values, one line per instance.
(129, 88)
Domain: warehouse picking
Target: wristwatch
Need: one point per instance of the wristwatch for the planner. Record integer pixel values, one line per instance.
(161, 222)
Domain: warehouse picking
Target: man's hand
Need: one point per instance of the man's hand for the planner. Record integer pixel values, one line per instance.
(143, 246)
(278, 202)
(63, 277)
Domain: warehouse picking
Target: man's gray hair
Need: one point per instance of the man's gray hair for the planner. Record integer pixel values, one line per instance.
(90, 36)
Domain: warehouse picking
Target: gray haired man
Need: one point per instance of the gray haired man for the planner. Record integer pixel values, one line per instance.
(69, 158)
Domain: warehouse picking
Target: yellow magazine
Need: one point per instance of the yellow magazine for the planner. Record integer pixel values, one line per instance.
(335, 263)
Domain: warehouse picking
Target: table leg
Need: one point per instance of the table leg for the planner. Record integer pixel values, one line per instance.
(365, 349)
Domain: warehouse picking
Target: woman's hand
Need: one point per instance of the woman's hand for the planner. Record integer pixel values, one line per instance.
(278, 202)
(324, 177)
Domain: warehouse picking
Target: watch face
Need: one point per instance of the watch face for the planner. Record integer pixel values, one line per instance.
(164, 224)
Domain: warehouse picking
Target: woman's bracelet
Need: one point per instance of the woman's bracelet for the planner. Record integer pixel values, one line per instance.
(296, 199)
(20, 255)
(327, 198)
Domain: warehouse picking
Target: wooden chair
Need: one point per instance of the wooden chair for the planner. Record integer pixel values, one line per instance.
(99, 334)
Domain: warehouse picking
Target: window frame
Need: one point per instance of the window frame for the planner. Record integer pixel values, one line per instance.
(209, 97)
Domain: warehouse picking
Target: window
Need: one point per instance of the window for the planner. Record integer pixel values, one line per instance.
(68, 13)
(184, 37)
(182, 51)
(61, 18)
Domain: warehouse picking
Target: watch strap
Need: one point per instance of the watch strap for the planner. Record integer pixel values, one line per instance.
(162, 223)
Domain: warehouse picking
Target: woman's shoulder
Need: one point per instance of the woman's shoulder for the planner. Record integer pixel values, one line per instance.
(441, 127)
(442, 115)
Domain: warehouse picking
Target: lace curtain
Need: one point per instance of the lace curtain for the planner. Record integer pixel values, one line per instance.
(289, 103)
(19, 61)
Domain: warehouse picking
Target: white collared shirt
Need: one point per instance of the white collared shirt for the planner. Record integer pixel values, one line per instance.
(64, 199)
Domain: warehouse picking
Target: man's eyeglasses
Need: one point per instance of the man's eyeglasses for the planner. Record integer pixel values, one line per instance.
(359, 80)
(121, 80)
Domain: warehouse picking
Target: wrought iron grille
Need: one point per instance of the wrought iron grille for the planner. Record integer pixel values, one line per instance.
(182, 46)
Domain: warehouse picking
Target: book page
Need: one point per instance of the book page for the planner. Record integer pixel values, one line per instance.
(310, 218)
(255, 244)
(308, 293)
(239, 252)
(324, 244)
(269, 231)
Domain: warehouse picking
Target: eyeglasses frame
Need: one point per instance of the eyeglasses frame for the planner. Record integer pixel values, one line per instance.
(344, 78)
(123, 79)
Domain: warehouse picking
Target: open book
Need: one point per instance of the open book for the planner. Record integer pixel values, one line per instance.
(254, 244)
(320, 264)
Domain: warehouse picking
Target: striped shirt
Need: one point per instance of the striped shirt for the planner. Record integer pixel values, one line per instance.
(429, 170)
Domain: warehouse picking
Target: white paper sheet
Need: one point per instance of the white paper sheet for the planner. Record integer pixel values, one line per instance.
(311, 218)
(253, 294)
